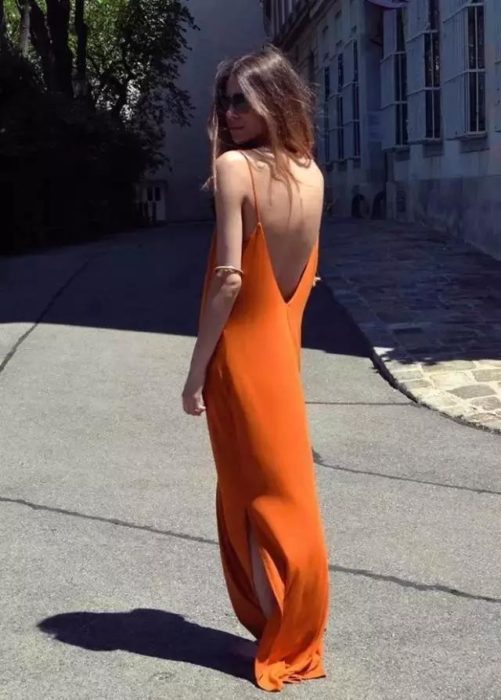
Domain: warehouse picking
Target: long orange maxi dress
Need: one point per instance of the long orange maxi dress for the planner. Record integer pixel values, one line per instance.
(257, 423)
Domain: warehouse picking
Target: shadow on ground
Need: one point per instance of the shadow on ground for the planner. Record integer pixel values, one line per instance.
(150, 632)
(421, 293)
(146, 281)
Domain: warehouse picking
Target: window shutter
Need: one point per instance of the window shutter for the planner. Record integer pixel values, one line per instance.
(349, 69)
(323, 43)
(353, 15)
(450, 7)
(416, 96)
(334, 129)
(496, 19)
(454, 66)
(388, 108)
(331, 106)
(417, 17)
(390, 32)
(333, 90)
(317, 88)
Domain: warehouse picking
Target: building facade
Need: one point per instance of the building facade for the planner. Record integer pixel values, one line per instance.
(226, 28)
(408, 107)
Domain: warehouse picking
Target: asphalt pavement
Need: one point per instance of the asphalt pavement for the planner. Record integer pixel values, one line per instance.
(109, 565)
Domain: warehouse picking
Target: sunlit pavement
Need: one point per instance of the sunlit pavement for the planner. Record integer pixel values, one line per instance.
(110, 572)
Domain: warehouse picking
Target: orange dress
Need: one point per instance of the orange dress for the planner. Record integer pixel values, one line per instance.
(257, 423)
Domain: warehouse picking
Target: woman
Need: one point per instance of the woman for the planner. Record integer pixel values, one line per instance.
(245, 369)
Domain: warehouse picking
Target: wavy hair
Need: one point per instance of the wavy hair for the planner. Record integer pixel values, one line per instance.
(277, 93)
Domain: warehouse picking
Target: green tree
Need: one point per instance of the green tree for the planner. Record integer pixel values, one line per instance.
(3, 37)
(24, 34)
(123, 55)
(135, 49)
(81, 34)
(85, 89)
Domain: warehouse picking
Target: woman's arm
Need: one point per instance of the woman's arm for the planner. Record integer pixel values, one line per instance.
(231, 172)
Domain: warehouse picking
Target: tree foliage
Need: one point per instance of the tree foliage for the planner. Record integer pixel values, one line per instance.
(67, 172)
(123, 55)
(135, 49)
(86, 87)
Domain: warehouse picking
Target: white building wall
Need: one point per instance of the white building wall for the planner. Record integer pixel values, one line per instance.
(353, 181)
(227, 28)
(453, 182)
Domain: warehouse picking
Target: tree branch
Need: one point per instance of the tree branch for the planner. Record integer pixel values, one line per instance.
(24, 32)
(81, 30)
(3, 36)
(41, 43)
(58, 20)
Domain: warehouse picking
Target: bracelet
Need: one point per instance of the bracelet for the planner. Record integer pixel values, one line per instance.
(223, 269)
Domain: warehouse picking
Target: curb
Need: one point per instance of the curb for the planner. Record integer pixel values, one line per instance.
(456, 413)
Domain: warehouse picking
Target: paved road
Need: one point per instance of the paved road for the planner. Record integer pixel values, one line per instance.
(110, 573)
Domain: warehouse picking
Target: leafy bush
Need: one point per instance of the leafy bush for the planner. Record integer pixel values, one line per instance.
(67, 172)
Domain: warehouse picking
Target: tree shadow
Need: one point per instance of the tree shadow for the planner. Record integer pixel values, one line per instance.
(155, 633)
(144, 281)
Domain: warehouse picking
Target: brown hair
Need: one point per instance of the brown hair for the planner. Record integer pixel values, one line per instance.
(280, 96)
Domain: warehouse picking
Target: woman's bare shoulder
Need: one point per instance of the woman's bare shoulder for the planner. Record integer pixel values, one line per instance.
(231, 169)
(314, 168)
(310, 173)
(230, 159)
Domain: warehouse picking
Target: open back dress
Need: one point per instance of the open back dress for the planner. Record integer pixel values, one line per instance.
(258, 429)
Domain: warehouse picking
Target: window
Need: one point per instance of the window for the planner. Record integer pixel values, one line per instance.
(476, 68)
(315, 83)
(423, 67)
(279, 15)
(432, 72)
(339, 105)
(400, 67)
(497, 70)
(338, 27)
(351, 102)
(325, 92)
(326, 124)
(353, 14)
(311, 68)
(394, 81)
(356, 104)
(464, 68)
(324, 42)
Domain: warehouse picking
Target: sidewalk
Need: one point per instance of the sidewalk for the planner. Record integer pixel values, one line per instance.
(430, 307)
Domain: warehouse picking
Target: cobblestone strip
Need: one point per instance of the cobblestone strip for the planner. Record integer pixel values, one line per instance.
(423, 303)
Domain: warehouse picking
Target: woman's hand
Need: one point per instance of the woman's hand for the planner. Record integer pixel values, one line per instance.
(193, 402)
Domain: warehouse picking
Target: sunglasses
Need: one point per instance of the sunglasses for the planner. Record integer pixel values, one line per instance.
(238, 102)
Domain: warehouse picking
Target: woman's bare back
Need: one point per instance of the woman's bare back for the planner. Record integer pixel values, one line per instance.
(291, 226)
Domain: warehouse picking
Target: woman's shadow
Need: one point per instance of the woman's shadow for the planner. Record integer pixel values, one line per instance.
(155, 633)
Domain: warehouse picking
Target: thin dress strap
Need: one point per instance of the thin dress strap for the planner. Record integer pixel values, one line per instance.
(256, 205)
